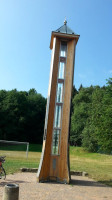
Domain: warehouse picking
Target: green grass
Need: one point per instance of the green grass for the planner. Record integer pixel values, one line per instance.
(21, 147)
(16, 160)
(35, 147)
(98, 166)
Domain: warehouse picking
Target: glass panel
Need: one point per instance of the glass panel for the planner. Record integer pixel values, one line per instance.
(59, 93)
(63, 49)
(57, 116)
(56, 142)
(61, 70)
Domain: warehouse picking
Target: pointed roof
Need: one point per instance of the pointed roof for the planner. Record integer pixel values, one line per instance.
(65, 29)
(64, 32)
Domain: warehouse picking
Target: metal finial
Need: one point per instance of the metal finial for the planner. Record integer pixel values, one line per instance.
(65, 21)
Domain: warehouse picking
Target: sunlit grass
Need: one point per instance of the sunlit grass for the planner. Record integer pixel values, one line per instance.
(98, 166)
(17, 159)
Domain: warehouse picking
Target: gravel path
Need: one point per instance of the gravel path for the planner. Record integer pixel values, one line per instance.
(81, 188)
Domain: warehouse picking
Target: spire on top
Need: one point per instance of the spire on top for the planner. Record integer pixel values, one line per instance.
(65, 21)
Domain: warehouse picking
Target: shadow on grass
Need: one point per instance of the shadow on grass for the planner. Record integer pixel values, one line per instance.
(107, 183)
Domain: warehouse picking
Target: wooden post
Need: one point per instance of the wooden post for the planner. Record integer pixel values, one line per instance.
(54, 163)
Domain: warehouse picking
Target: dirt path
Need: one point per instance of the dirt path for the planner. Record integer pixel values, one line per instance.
(81, 188)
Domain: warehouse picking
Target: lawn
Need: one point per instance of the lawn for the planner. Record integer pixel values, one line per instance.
(98, 166)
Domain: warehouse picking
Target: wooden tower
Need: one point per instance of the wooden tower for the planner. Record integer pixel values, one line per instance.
(54, 163)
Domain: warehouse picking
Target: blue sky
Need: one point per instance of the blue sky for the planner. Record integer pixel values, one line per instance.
(25, 31)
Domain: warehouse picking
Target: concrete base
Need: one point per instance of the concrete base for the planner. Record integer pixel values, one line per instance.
(76, 173)
(11, 192)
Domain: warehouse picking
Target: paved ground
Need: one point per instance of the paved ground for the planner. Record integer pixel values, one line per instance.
(81, 188)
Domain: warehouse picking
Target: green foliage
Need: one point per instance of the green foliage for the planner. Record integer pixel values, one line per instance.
(91, 121)
(105, 124)
(22, 115)
(81, 104)
(89, 141)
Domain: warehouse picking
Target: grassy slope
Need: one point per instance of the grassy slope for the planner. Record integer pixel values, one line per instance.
(99, 166)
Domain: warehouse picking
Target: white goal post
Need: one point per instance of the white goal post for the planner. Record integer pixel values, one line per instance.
(16, 143)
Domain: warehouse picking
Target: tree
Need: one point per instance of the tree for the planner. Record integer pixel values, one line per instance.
(81, 105)
(89, 139)
(104, 133)
(35, 118)
(22, 115)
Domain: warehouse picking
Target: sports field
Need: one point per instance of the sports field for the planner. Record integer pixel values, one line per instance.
(98, 166)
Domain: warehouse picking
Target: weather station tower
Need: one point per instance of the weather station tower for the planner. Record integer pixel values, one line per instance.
(54, 162)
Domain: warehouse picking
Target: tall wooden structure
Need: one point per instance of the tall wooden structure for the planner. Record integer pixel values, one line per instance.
(54, 163)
